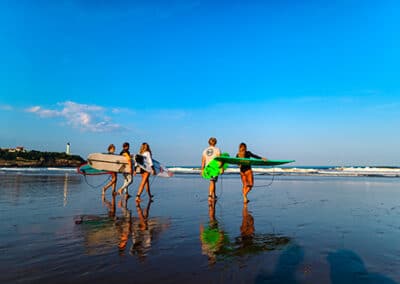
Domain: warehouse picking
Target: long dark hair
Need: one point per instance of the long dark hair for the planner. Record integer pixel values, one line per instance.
(241, 153)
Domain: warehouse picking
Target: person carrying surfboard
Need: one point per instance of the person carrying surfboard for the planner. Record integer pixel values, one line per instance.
(145, 154)
(246, 173)
(113, 181)
(128, 177)
(208, 155)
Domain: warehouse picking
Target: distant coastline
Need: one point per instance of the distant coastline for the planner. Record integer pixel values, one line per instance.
(36, 159)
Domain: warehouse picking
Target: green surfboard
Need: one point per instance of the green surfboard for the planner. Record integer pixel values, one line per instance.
(251, 161)
(215, 167)
(86, 169)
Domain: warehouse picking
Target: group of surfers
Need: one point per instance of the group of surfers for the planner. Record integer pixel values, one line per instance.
(208, 155)
(145, 152)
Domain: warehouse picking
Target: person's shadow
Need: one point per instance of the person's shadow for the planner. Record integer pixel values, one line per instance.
(287, 265)
(348, 268)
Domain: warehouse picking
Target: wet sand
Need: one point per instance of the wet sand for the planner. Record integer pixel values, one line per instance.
(57, 228)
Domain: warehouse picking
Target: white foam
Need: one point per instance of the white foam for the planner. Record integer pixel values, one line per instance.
(37, 169)
(334, 171)
(285, 171)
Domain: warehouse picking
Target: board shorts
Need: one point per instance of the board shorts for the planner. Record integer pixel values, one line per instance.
(214, 179)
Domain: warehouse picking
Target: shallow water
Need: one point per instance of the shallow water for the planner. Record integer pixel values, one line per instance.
(57, 228)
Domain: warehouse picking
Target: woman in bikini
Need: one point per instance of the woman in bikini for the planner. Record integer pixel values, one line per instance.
(145, 152)
(246, 173)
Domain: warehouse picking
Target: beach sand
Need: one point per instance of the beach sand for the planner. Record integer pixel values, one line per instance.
(55, 227)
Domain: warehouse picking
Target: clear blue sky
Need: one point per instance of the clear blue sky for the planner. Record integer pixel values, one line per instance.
(314, 81)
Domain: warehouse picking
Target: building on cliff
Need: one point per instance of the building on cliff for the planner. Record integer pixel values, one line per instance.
(68, 150)
(13, 150)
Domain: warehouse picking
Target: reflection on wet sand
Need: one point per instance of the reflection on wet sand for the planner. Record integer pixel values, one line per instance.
(213, 239)
(65, 189)
(217, 246)
(103, 234)
(123, 225)
(145, 231)
(251, 243)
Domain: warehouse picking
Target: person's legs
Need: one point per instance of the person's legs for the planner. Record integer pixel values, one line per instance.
(145, 179)
(112, 183)
(211, 189)
(127, 182)
(247, 179)
(148, 187)
(244, 186)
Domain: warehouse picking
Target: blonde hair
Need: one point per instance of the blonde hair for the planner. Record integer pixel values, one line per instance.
(144, 147)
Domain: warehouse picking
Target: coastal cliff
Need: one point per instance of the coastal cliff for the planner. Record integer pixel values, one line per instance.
(38, 159)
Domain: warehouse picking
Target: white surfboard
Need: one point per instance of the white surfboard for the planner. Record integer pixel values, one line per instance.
(108, 162)
(160, 169)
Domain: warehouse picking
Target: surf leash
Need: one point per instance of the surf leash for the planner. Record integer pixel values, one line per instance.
(99, 185)
(268, 184)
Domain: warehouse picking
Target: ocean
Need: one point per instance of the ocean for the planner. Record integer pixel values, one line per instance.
(302, 225)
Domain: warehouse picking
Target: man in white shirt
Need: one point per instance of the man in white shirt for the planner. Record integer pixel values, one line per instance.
(208, 155)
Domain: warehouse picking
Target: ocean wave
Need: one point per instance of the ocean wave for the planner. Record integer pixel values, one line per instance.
(282, 171)
(305, 171)
(37, 170)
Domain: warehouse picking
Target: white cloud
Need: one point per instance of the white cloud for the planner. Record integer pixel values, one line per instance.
(89, 118)
(43, 112)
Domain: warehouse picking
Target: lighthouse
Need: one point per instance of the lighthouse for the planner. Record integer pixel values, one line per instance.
(68, 150)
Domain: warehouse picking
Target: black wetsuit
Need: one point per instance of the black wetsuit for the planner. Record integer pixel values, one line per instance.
(125, 151)
(247, 154)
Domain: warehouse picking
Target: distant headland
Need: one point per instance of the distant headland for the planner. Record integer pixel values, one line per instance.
(19, 157)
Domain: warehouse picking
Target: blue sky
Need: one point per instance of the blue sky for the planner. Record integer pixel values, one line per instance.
(314, 81)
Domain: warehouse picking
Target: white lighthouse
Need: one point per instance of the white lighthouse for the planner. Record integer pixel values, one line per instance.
(68, 150)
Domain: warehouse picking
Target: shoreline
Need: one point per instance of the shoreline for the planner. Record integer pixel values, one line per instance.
(61, 163)
(334, 224)
(282, 172)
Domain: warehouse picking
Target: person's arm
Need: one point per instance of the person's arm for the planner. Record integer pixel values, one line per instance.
(129, 162)
(203, 164)
(218, 154)
(256, 156)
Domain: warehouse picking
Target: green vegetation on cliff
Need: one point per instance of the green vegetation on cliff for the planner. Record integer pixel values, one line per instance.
(37, 158)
